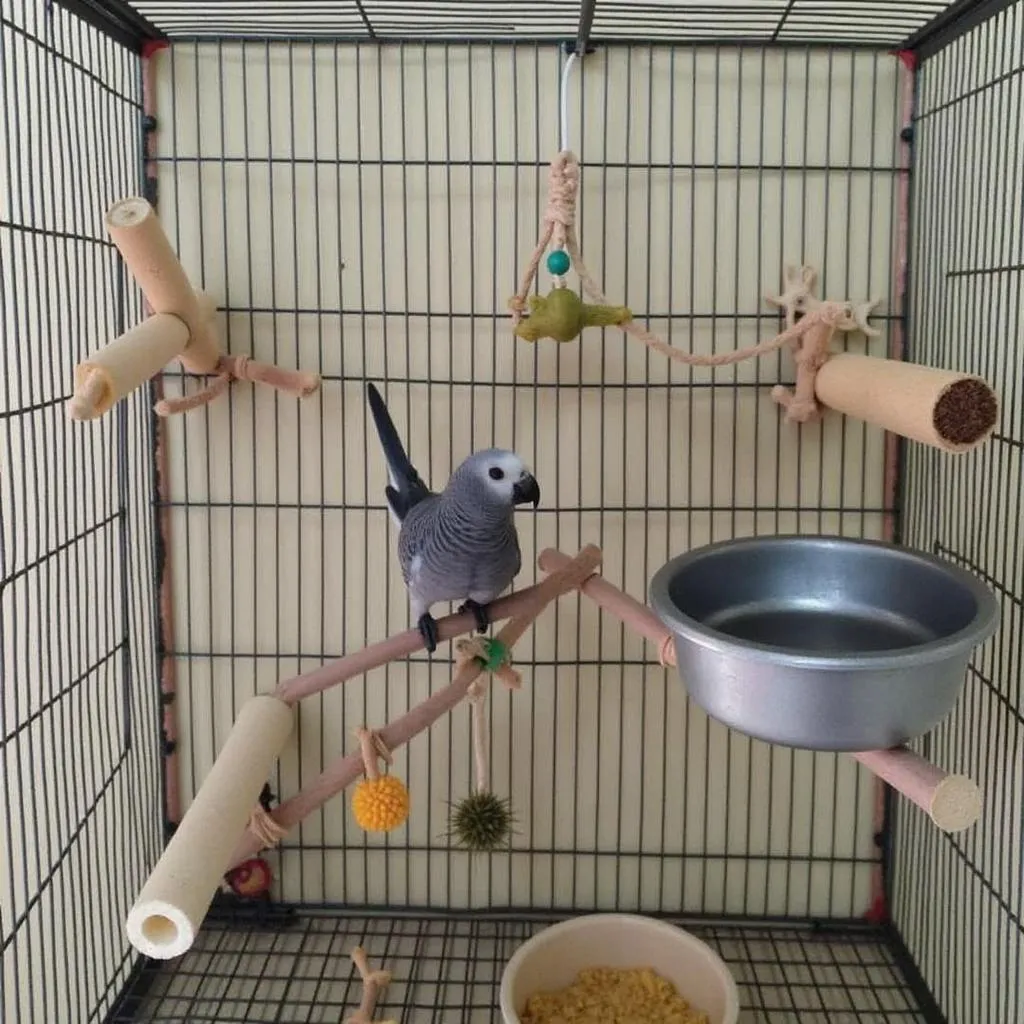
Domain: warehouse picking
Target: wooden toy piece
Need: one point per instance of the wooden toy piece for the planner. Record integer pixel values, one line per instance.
(374, 982)
(952, 801)
(172, 904)
(181, 327)
(346, 770)
(561, 315)
(952, 411)
(797, 299)
(814, 333)
(251, 879)
(380, 802)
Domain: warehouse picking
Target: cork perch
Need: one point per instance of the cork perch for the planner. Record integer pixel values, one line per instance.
(953, 802)
(952, 411)
(180, 327)
(225, 825)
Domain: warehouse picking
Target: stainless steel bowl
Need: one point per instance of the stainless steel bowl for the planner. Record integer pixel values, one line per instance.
(824, 643)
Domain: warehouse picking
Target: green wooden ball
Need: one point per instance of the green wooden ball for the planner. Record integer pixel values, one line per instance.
(558, 262)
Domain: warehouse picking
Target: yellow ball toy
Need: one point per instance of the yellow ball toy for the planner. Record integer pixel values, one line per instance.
(380, 804)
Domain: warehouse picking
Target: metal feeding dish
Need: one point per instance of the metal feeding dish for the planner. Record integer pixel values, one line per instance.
(824, 643)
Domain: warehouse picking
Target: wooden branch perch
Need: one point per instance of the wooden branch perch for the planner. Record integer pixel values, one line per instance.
(401, 645)
(345, 770)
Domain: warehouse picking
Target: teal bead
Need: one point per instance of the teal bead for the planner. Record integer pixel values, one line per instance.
(558, 262)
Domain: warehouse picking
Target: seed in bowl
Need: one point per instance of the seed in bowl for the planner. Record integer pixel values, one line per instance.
(608, 995)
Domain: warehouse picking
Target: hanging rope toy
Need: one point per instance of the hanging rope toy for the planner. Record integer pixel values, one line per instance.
(380, 803)
(562, 318)
(483, 821)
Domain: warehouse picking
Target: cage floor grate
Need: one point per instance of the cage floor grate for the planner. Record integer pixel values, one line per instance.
(447, 970)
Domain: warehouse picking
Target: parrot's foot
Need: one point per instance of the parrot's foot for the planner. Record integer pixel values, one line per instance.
(427, 626)
(483, 619)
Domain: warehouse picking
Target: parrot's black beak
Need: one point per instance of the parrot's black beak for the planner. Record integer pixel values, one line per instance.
(526, 490)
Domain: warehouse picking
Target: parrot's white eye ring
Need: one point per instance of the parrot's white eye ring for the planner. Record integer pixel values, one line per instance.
(495, 473)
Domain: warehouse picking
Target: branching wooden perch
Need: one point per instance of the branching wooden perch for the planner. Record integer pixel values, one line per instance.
(180, 328)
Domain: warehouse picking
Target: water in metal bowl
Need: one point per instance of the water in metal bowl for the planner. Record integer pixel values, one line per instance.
(826, 643)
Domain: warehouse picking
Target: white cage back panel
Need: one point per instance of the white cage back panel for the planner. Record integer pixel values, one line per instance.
(366, 212)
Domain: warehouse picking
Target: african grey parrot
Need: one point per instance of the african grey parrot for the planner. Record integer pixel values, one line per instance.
(460, 544)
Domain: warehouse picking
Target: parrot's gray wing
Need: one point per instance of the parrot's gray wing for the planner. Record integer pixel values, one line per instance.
(406, 488)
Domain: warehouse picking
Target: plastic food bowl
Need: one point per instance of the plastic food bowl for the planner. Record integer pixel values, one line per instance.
(553, 957)
(825, 643)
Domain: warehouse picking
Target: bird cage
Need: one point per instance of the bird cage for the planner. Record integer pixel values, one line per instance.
(715, 272)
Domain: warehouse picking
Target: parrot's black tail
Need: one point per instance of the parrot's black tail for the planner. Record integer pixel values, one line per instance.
(406, 489)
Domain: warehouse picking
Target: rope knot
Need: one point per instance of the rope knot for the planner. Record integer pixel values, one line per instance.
(563, 182)
(667, 652)
(493, 656)
(265, 828)
(240, 370)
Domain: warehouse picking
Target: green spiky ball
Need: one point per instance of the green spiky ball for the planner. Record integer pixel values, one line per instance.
(482, 822)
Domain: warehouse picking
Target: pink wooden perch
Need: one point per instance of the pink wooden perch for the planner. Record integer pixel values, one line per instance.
(953, 802)
(345, 770)
(180, 328)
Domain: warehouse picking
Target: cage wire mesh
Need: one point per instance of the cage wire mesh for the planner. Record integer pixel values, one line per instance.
(80, 781)
(364, 211)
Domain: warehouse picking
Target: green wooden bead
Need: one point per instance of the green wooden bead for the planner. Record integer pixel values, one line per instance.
(558, 261)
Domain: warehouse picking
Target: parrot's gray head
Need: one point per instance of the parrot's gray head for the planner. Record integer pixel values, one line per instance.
(496, 479)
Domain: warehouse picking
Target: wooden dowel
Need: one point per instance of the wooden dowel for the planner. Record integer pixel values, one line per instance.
(953, 802)
(139, 236)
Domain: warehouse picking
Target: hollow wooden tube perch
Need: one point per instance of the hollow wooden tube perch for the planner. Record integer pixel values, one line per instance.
(946, 409)
(953, 802)
(181, 327)
(345, 770)
(176, 897)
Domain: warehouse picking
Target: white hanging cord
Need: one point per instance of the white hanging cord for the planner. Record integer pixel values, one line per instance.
(564, 101)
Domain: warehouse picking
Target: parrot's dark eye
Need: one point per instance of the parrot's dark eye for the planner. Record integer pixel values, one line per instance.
(495, 473)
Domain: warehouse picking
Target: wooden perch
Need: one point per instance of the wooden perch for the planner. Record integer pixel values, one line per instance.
(401, 645)
(953, 802)
(347, 769)
(181, 327)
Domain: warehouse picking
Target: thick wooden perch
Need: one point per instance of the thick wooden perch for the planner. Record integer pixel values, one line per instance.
(180, 328)
(953, 802)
